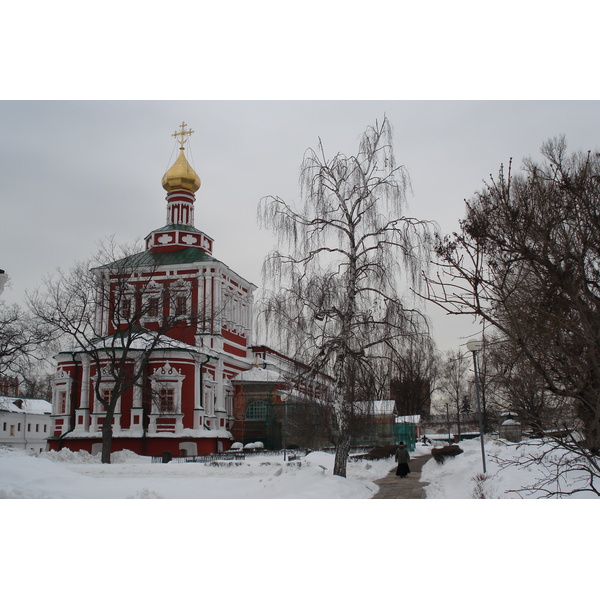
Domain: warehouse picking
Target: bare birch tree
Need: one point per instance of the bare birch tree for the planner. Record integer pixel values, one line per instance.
(336, 274)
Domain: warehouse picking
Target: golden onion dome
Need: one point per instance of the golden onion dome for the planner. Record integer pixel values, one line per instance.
(181, 176)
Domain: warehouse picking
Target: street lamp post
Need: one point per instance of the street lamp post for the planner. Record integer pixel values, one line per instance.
(447, 403)
(475, 346)
(283, 399)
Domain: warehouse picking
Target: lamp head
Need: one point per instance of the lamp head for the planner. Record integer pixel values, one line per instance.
(474, 345)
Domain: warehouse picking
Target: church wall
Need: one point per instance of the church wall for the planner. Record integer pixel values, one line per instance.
(150, 447)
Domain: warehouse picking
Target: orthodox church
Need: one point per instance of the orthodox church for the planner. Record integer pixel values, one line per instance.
(205, 385)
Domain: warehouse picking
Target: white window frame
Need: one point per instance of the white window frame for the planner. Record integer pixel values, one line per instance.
(126, 294)
(151, 292)
(167, 377)
(107, 383)
(61, 384)
(180, 289)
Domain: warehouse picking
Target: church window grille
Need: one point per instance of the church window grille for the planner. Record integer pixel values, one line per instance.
(166, 400)
(180, 299)
(107, 397)
(125, 308)
(153, 307)
(180, 306)
(257, 411)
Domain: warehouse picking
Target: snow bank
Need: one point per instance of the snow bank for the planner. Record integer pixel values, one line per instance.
(510, 470)
(79, 475)
(81, 456)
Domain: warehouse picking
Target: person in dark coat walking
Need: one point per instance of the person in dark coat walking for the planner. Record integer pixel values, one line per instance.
(402, 458)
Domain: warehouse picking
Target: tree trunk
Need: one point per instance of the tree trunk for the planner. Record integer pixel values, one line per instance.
(458, 417)
(107, 437)
(342, 437)
(342, 449)
(589, 412)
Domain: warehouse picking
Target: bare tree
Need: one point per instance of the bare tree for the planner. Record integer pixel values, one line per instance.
(515, 386)
(454, 380)
(336, 273)
(110, 310)
(527, 261)
(414, 374)
(22, 341)
(37, 383)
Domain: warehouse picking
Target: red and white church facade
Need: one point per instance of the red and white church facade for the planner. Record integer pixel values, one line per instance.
(196, 373)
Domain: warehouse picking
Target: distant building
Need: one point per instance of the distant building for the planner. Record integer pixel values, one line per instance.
(9, 386)
(273, 404)
(25, 423)
(3, 279)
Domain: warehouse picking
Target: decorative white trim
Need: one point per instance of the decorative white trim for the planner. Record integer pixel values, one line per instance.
(152, 290)
(167, 377)
(189, 239)
(61, 374)
(62, 384)
(165, 238)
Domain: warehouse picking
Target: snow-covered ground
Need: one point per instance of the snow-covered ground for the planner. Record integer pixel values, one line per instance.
(79, 475)
(511, 471)
(224, 532)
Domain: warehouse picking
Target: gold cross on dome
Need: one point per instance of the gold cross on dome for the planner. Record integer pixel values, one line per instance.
(182, 135)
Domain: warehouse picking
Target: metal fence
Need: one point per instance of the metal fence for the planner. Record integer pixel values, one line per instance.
(226, 456)
(167, 457)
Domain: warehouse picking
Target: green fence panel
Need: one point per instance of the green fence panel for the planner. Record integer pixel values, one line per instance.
(406, 432)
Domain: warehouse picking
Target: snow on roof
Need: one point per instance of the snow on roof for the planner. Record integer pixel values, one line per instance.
(32, 406)
(384, 407)
(188, 433)
(260, 375)
(409, 419)
(141, 341)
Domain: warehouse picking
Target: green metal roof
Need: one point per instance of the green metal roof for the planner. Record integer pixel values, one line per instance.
(150, 259)
(158, 259)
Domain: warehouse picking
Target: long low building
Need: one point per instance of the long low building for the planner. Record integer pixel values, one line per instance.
(25, 423)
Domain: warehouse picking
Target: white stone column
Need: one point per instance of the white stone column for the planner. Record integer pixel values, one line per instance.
(137, 412)
(82, 412)
(219, 388)
(85, 382)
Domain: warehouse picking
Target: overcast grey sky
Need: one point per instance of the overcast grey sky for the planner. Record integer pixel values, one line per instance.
(74, 172)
